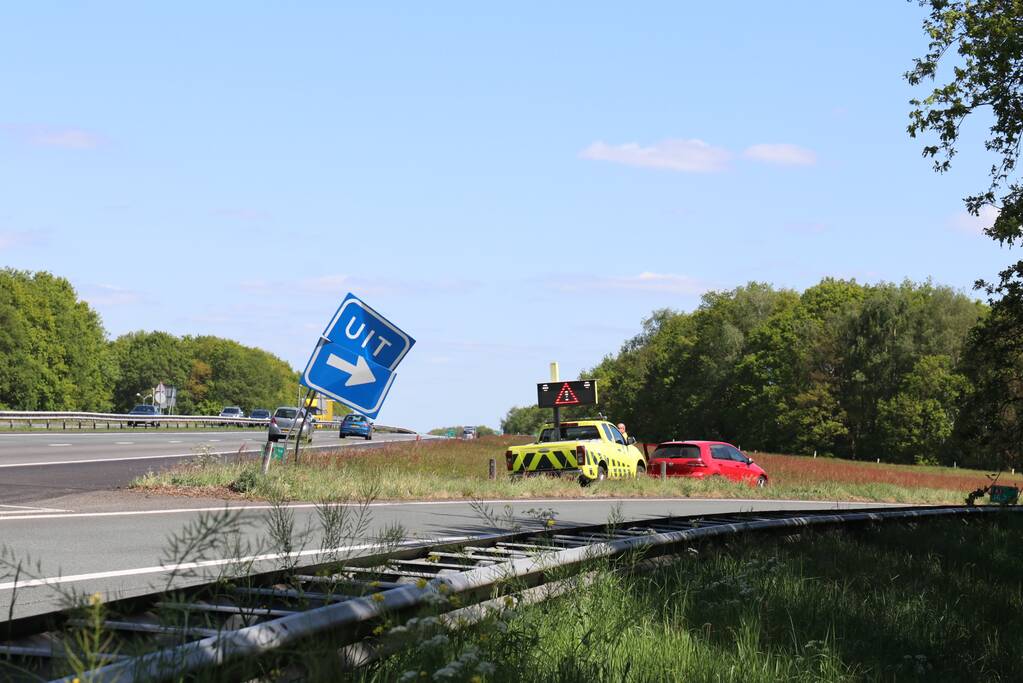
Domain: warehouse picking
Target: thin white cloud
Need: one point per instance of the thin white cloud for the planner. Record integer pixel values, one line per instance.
(341, 283)
(11, 239)
(644, 282)
(110, 295)
(975, 225)
(61, 138)
(690, 156)
(782, 154)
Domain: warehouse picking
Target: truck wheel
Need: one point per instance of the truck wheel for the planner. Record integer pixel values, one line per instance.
(340, 435)
(761, 481)
(640, 469)
(369, 435)
(601, 472)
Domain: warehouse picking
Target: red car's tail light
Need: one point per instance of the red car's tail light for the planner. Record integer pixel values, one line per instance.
(509, 458)
(580, 455)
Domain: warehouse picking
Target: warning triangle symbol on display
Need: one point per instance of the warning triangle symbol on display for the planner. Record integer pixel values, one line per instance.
(566, 396)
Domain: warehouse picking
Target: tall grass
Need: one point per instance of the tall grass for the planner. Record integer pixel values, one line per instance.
(935, 602)
(459, 470)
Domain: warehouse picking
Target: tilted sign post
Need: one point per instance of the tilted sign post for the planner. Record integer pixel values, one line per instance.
(355, 357)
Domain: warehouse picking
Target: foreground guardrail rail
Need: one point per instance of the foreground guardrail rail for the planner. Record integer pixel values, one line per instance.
(203, 627)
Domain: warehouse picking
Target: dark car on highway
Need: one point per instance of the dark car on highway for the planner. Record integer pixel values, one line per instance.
(356, 425)
(260, 414)
(139, 414)
(705, 459)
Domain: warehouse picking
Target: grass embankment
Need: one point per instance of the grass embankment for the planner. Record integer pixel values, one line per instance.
(458, 470)
(928, 602)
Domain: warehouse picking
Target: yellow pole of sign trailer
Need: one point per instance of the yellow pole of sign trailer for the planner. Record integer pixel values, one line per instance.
(555, 376)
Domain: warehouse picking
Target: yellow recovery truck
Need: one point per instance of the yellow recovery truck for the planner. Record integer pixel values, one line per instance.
(593, 450)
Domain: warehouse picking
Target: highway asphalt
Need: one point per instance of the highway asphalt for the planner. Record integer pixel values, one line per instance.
(40, 466)
(123, 549)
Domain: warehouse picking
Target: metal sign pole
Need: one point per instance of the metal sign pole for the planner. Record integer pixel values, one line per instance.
(300, 426)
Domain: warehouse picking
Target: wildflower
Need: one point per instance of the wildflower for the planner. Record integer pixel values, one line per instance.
(377, 597)
(378, 631)
(509, 601)
(375, 584)
(444, 588)
(476, 679)
(420, 583)
(437, 641)
(550, 523)
(96, 599)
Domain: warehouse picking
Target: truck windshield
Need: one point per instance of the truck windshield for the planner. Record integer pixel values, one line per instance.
(575, 433)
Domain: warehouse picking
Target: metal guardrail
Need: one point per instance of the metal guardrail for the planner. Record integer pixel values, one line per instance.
(47, 418)
(346, 598)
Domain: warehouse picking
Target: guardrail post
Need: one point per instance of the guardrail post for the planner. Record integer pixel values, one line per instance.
(664, 470)
(493, 469)
(94, 425)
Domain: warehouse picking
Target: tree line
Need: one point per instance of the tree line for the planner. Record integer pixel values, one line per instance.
(55, 355)
(902, 372)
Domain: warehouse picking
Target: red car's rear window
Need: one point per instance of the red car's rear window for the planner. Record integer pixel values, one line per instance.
(676, 450)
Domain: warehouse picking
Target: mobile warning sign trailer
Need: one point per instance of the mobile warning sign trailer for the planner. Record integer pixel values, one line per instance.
(557, 394)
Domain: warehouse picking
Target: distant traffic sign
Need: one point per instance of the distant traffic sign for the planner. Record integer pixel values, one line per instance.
(354, 360)
(582, 392)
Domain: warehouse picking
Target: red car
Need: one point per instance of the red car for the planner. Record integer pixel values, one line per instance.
(703, 459)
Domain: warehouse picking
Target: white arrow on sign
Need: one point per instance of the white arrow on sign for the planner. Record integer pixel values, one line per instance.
(360, 372)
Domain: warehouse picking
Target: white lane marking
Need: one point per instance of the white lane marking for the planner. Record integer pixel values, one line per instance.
(59, 444)
(173, 442)
(124, 443)
(411, 503)
(214, 440)
(32, 508)
(72, 578)
(176, 455)
(155, 435)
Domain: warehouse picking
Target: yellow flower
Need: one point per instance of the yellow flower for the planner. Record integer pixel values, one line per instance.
(475, 679)
(378, 597)
(96, 599)
(378, 630)
(420, 583)
(375, 584)
(509, 601)
(550, 523)
(484, 637)
(443, 588)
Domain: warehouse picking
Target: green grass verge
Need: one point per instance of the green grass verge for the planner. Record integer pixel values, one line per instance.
(939, 601)
(449, 470)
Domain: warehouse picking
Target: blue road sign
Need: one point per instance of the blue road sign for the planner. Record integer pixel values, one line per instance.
(354, 360)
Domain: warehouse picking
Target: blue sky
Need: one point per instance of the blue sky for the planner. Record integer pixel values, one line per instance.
(510, 185)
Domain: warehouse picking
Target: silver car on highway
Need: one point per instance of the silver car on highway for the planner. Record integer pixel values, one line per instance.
(283, 420)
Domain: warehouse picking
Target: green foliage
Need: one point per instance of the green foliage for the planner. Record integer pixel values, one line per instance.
(982, 42)
(841, 369)
(524, 420)
(54, 355)
(481, 430)
(53, 349)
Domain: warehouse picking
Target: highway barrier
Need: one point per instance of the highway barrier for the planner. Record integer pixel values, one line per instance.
(78, 421)
(346, 598)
